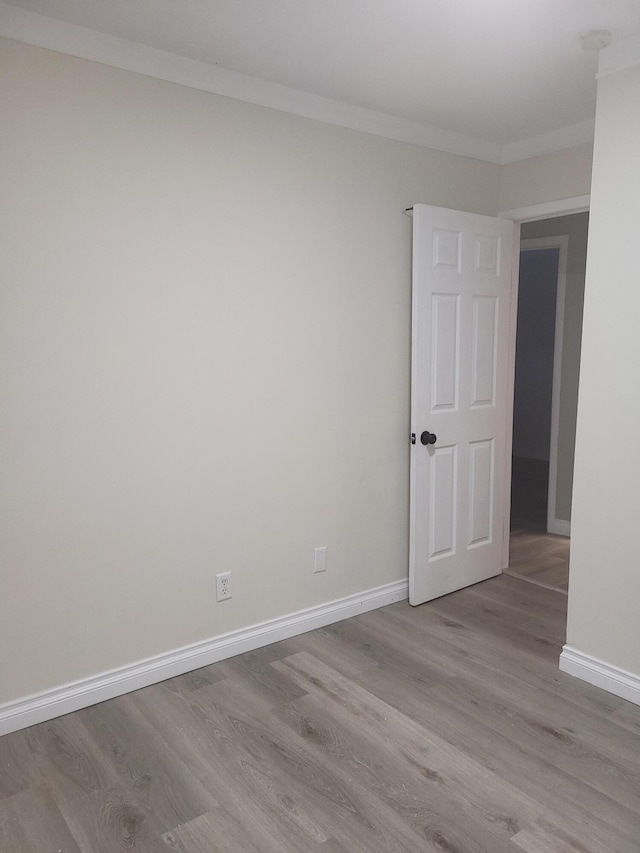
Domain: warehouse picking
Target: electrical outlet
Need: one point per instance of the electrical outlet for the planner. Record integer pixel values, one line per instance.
(320, 559)
(223, 586)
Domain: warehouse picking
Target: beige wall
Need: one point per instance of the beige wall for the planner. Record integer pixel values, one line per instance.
(604, 586)
(204, 361)
(575, 227)
(550, 177)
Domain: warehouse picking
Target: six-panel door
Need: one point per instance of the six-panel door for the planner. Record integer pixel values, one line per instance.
(460, 348)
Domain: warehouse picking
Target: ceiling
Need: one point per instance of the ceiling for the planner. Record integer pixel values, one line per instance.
(494, 70)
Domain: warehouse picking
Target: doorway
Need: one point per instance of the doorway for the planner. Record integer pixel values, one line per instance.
(549, 329)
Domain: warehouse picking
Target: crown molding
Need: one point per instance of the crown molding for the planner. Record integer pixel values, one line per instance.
(619, 56)
(545, 143)
(85, 43)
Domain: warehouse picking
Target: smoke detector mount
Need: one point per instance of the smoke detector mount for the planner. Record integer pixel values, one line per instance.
(596, 39)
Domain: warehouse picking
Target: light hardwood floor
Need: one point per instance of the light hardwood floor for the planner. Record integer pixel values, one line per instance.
(540, 556)
(535, 554)
(443, 728)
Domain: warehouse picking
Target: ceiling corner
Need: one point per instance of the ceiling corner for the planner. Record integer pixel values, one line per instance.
(619, 56)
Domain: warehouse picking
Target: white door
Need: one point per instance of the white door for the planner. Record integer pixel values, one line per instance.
(462, 281)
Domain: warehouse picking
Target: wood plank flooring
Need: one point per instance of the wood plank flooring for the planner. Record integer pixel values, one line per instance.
(540, 556)
(445, 728)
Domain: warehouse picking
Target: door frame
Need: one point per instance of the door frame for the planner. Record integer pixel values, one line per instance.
(520, 215)
(554, 525)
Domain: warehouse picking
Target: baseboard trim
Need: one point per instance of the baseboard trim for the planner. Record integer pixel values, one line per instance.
(559, 526)
(89, 691)
(618, 681)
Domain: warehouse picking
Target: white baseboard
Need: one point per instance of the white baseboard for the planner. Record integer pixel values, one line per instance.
(559, 526)
(601, 674)
(88, 691)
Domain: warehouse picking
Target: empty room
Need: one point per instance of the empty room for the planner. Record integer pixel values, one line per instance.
(261, 530)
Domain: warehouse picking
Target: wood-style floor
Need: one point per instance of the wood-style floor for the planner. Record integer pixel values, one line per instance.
(540, 556)
(446, 727)
(535, 554)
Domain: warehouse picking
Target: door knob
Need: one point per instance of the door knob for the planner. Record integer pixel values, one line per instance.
(428, 437)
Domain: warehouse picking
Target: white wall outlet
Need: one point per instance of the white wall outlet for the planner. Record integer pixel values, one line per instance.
(320, 559)
(223, 586)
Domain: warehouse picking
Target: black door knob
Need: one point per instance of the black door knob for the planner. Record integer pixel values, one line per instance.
(428, 437)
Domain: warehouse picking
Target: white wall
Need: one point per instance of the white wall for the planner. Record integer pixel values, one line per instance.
(204, 361)
(604, 585)
(549, 177)
(576, 228)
